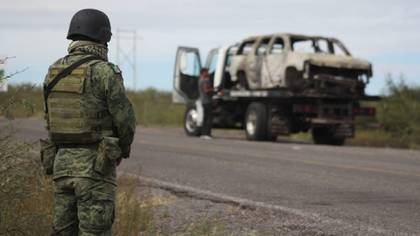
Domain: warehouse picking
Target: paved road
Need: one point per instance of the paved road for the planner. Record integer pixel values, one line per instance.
(365, 187)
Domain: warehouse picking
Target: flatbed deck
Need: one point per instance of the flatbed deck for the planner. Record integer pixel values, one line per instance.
(235, 94)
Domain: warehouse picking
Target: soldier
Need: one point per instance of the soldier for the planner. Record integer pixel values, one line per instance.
(91, 125)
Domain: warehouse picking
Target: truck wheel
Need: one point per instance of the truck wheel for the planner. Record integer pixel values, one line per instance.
(256, 122)
(191, 122)
(319, 135)
(322, 135)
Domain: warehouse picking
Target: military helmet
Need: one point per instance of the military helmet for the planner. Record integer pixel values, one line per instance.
(90, 24)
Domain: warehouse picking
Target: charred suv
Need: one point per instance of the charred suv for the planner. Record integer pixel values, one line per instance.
(278, 85)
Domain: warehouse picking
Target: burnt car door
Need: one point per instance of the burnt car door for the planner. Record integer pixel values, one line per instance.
(251, 64)
(256, 60)
(186, 75)
(274, 64)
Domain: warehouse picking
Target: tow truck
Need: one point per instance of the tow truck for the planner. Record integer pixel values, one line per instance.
(267, 86)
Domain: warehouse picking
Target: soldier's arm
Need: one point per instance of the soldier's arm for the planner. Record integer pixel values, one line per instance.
(120, 109)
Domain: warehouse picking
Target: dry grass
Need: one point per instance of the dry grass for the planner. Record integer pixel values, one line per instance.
(134, 214)
(25, 193)
(26, 197)
(206, 227)
(381, 138)
(371, 138)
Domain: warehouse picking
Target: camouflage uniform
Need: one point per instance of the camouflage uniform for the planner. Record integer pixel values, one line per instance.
(84, 197)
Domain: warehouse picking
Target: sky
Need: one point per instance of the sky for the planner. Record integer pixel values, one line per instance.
(384, 32)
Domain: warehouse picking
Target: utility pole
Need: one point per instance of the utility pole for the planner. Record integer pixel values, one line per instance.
(126, 54)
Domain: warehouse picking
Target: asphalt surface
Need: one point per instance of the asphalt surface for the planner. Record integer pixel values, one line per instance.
(370, 189)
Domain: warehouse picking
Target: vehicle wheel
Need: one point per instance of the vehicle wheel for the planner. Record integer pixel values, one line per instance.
(191, 122)
(322, 135)
(319, 135)
(256, 122)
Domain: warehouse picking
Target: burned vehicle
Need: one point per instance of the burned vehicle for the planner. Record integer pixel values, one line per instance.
(299, 63)
(277, 84)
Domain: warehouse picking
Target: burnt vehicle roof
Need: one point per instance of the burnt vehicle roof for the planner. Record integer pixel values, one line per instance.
(302, 36)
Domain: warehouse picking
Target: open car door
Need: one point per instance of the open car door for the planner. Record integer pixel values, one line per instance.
(186, 75)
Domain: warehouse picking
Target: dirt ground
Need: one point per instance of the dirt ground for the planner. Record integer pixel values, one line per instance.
(176, 214)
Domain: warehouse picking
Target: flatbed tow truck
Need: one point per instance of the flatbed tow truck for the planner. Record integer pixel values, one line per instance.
(322, 96)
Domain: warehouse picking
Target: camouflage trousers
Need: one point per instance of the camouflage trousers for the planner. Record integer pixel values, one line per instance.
(83, 206)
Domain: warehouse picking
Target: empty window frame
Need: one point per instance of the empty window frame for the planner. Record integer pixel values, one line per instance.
(278, 46)
(190, 64)
(263, 47)
(338, 50)
(303, 45)
(246, 47)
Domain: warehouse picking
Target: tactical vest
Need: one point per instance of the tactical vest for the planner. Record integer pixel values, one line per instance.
(74, 115)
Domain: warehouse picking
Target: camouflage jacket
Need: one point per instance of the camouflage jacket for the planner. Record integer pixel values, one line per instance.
(106, 85)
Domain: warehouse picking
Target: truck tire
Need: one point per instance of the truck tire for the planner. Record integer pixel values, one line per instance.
(256, 122)
(322, 135)
(190, 122)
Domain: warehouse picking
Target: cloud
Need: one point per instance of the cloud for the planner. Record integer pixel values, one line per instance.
(380, 31)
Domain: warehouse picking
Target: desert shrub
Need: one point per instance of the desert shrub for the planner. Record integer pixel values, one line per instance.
(153, 107)
(399, 112)
(23, 100)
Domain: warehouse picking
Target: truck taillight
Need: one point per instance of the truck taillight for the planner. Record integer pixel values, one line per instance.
(364, 111)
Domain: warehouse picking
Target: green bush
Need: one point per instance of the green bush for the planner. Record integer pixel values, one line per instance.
(153, 107)
(24, 100)
(399, 112)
